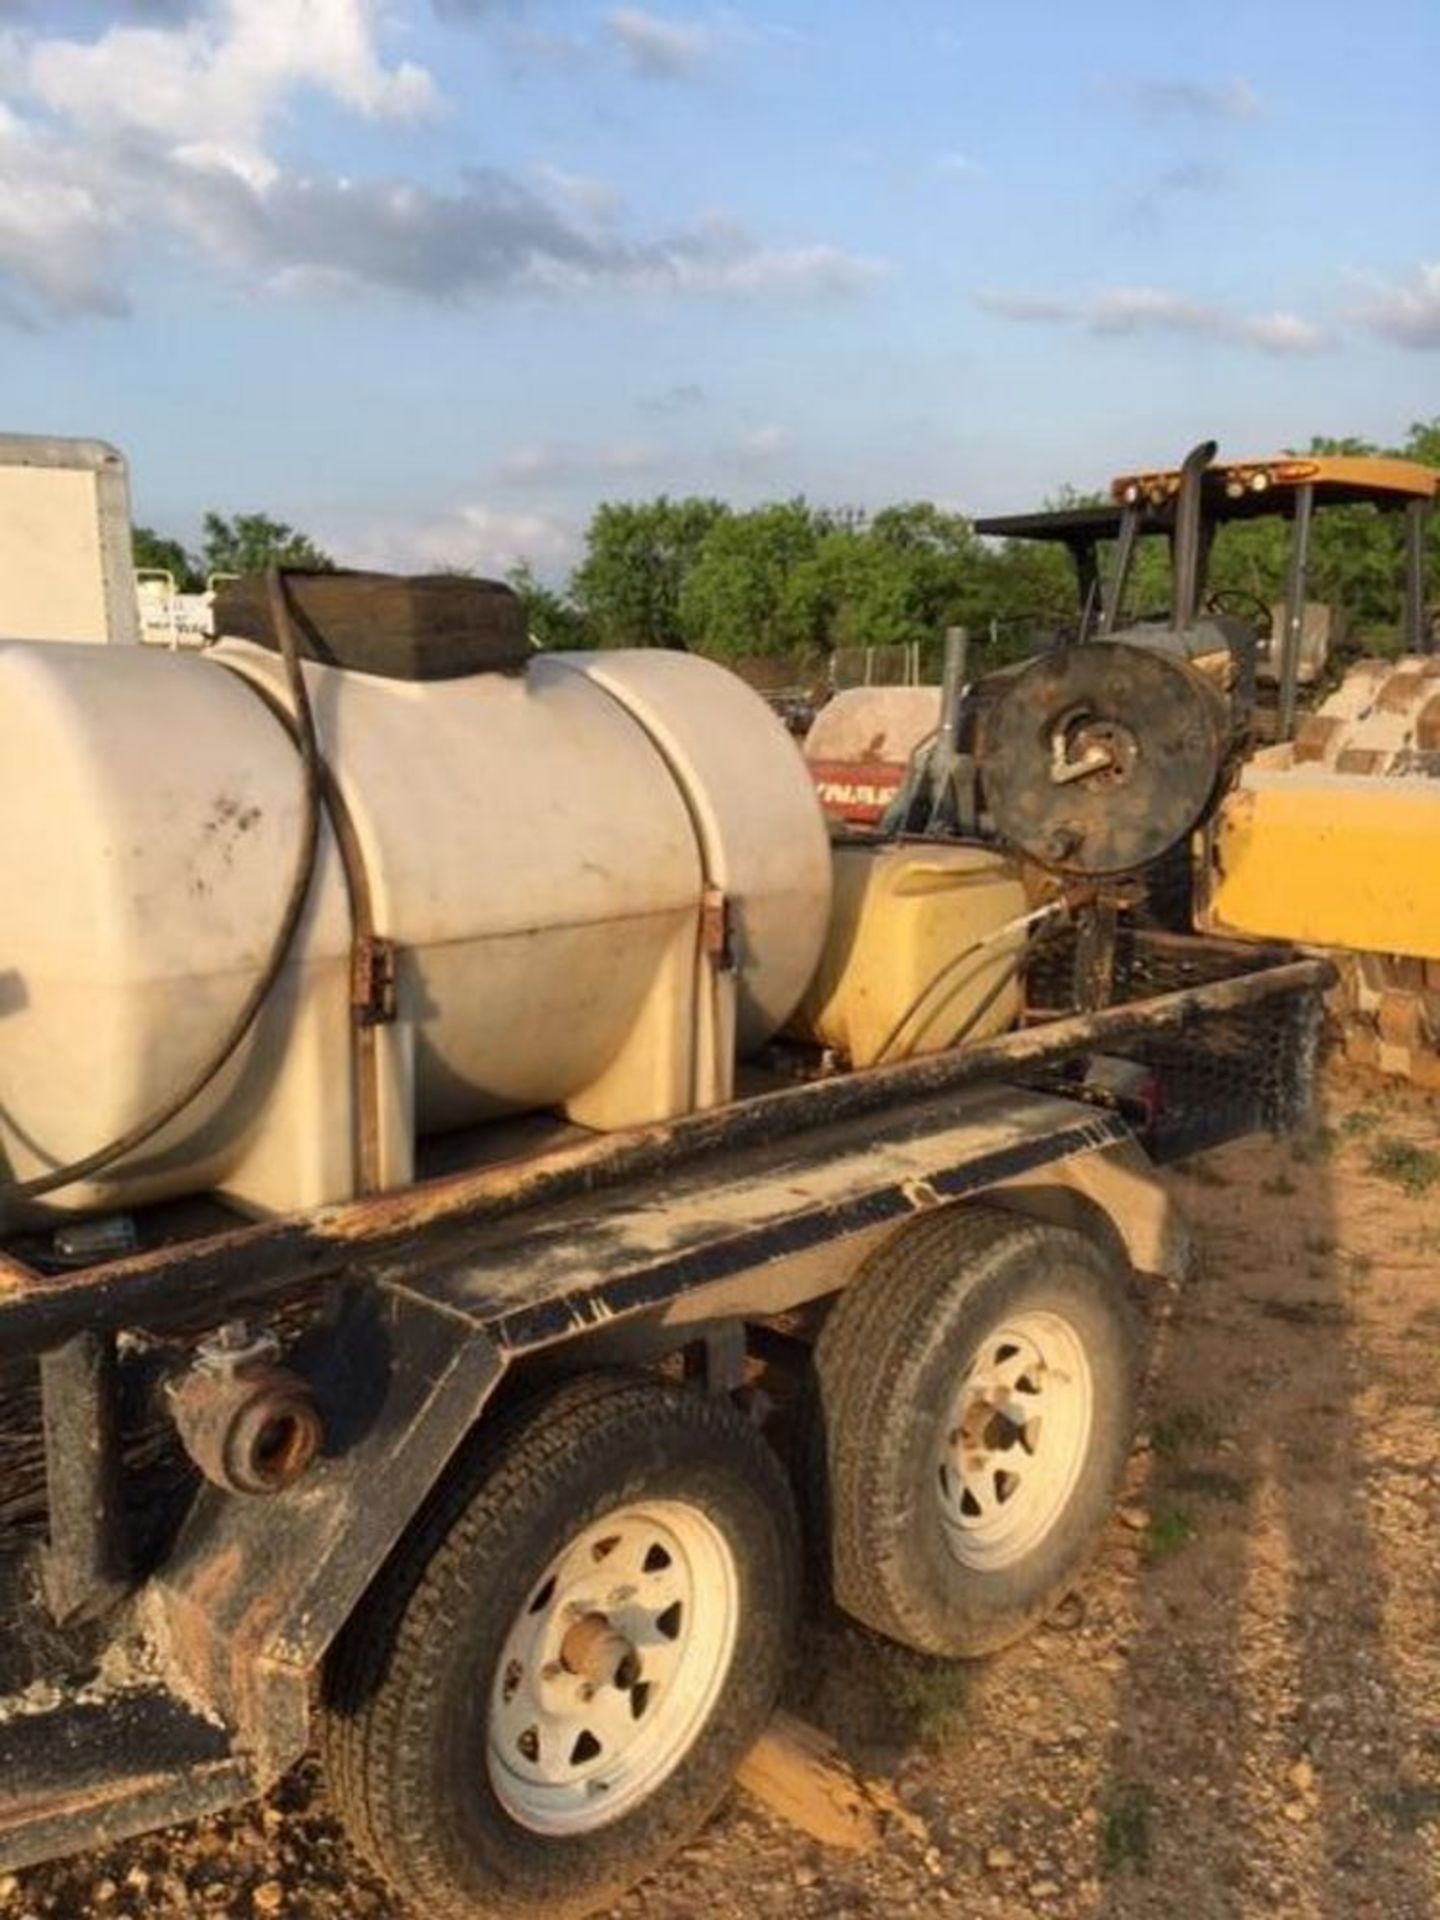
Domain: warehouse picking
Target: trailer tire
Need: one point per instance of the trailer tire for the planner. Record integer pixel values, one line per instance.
(943, 1521)
(463, 1651)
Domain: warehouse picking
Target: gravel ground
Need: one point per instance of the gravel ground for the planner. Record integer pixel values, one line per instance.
(1240, 1715)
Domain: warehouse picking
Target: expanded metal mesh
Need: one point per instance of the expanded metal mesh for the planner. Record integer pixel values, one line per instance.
(1217, 1075)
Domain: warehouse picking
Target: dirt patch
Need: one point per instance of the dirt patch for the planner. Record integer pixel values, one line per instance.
(1240, 1714)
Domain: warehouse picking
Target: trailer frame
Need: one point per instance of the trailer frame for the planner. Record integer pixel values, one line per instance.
(160, 1674)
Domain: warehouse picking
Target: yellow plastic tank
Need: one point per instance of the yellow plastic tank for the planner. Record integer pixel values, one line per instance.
(900, 973)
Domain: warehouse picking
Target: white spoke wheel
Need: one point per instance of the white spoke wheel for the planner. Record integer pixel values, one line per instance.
(612, 1667)
(1015, 1440)
(972, 1402)
(555, 1679)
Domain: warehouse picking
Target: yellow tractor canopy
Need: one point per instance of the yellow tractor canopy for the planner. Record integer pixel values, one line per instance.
(1246, 489)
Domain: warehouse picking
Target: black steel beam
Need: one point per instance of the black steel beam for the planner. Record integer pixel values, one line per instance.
(86, 1566)
(1417, 638)
(1296, 579)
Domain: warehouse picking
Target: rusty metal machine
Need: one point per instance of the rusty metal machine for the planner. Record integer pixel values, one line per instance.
(1321, 827)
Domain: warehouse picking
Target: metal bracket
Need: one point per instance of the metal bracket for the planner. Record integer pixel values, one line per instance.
(717, 1359)
(86, 1568)
(717, 929)
(373, 965)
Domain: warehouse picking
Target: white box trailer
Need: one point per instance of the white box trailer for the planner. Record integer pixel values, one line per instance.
(66, 571)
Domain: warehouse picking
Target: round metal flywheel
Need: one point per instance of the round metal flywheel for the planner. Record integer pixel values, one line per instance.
(1097, 759)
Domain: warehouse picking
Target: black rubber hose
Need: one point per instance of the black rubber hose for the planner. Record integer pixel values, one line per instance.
(1023, 924)
(1014, 963)
(153, 1123)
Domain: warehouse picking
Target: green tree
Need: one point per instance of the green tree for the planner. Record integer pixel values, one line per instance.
(791, 578)
(1423, 442)
(159, 553)
(1250, 557)
(865, 590)
(945, 562)
(250, 542)
(1027, 593)
(556, 623)
(754, 587)
(637, 554)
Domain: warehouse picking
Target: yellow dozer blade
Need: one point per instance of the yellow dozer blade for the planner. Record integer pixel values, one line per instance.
(1333, 840)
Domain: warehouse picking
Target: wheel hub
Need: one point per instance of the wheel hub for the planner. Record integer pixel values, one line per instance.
(598, 1653)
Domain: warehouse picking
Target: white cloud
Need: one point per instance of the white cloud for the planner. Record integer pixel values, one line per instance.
(57, 231)
(1131, 310)
(155, 132)
(1408, 315)
(1283, 332)
(759, 444)
(219, 78)
(485, 539)
(1024, 306)
(540, 464)
(492, 236)
(658, 47)
(719, 258)
(596, 199)
(1148, 309)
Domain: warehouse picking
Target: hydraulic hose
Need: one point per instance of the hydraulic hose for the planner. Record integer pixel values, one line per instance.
(160, 1117)
(1021, 925)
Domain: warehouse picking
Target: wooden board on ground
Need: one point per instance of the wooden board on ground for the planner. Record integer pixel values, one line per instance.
(801, 1775)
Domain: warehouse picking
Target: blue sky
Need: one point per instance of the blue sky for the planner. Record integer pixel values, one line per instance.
(430, 277)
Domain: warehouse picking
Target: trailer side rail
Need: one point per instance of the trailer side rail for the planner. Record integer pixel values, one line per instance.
(253, 1263)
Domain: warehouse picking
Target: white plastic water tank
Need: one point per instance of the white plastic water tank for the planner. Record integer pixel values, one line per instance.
(540, 847)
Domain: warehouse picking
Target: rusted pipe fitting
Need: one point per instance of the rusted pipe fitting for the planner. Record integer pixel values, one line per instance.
(250, 1428)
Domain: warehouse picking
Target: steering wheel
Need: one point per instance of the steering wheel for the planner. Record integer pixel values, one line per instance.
(1241, 604)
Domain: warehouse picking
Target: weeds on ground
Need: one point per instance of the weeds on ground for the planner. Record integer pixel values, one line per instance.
(1309, 1149)
(1413, 1169)
(1409, 1808)
(1211, 1483)
(1320, 1244)
(1169, 1529)
(1313, 1313)
(930, 1695)
(1427, 1240)
(1180, 1429)
(1364, 1120)
(1279, 1184)
(1125, 1829)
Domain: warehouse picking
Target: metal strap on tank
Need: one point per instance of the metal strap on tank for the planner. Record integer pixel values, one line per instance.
(372, 958)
